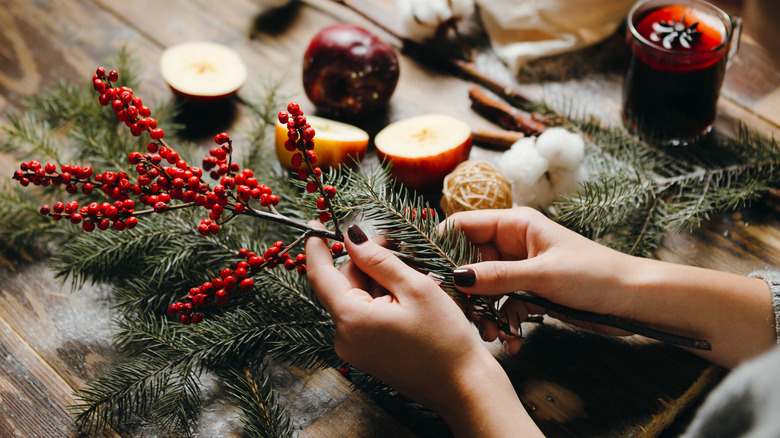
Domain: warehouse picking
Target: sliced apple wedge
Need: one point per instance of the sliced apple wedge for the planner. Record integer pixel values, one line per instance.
(424, 149)
(334, 142)
(202, 70)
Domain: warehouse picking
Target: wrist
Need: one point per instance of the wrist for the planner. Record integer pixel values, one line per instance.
(484, 403)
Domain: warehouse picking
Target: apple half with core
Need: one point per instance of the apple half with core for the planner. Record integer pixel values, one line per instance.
(335, 143)
(424, 149)
(349, 72)
(202, 71)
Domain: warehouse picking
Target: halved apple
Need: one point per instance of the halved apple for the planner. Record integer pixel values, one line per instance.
(202, 70)
(424, 149)
(334, 142)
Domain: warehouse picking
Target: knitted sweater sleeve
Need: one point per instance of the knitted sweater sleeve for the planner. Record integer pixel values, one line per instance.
(772, 278)
(746, 403)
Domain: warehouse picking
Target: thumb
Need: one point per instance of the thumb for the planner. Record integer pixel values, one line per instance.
(498, 277)
(381, 265)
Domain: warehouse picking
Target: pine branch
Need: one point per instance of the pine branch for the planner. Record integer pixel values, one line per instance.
(124, 392)
(638, 191)
(262, 415)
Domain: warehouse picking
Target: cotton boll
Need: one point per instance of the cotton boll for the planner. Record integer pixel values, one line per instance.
(566, 181)
(421, 18)
(522, 164)
(538, 194)
(527, 171)
(562, 148)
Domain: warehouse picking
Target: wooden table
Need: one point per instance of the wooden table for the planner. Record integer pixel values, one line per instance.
(573, 383)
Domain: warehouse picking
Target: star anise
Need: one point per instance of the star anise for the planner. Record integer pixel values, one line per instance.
(673, 32)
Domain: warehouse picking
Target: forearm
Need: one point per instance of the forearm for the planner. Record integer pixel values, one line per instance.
(733, 312)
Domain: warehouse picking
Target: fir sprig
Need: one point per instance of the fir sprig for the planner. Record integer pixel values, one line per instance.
(262, 415)
(638, 192)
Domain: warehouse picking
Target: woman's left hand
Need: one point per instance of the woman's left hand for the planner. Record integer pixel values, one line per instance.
(398, 325)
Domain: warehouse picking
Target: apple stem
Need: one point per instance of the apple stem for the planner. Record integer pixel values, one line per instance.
(429, 54)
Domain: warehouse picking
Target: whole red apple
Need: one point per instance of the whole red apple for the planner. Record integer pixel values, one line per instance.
(348, 72)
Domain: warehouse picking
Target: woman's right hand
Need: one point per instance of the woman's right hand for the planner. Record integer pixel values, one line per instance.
(522, 250)
(525, 251)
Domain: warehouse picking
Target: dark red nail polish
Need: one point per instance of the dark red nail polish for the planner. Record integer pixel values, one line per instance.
(356, 235)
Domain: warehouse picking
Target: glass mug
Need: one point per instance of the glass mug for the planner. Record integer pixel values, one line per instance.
(679, 54)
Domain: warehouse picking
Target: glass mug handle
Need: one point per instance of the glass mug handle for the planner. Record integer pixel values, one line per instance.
(736, 33)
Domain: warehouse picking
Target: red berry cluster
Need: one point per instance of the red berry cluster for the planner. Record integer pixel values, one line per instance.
(116, 185)
(300, 139)
(236, 186)
(129, 109)
(165, 181)
(218, 290)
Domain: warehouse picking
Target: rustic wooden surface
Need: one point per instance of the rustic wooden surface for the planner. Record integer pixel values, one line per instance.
(573, 383)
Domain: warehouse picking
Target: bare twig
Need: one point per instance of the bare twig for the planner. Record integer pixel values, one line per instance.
(613, 321)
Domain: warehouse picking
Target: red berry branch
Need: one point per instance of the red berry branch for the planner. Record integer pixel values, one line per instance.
(166, 182)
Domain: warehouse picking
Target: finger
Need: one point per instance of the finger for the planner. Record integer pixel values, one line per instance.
(334, 290)
(488, 330)
(499, 277)
(507, 230)
(381, 265)
(511, 344)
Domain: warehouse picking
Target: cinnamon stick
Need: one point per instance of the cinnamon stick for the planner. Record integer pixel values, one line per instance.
(503, 114)
(496, 139)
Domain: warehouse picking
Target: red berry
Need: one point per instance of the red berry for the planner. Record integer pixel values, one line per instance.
(200, 300)
(221, 297)
(324, 217)
(246, 284)
(337, 248)
(88, 226)
(329, 191)
(175, 308)
(311, 186)
(156, 133)
(296, 160)
(294, 109)
(256, 261)
(321, 204)
(131, 222)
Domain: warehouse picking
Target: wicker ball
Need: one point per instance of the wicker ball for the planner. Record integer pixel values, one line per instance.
(475, 185)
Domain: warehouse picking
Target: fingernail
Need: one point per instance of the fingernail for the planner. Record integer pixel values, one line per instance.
(356, 235)
(506, 347)
(481, 331)
(464, 277)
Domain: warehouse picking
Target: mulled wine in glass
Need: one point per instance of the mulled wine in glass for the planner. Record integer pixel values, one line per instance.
(679, 54)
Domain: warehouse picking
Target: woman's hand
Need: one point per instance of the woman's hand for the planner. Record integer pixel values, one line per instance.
(400, 326)
(524, 250)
